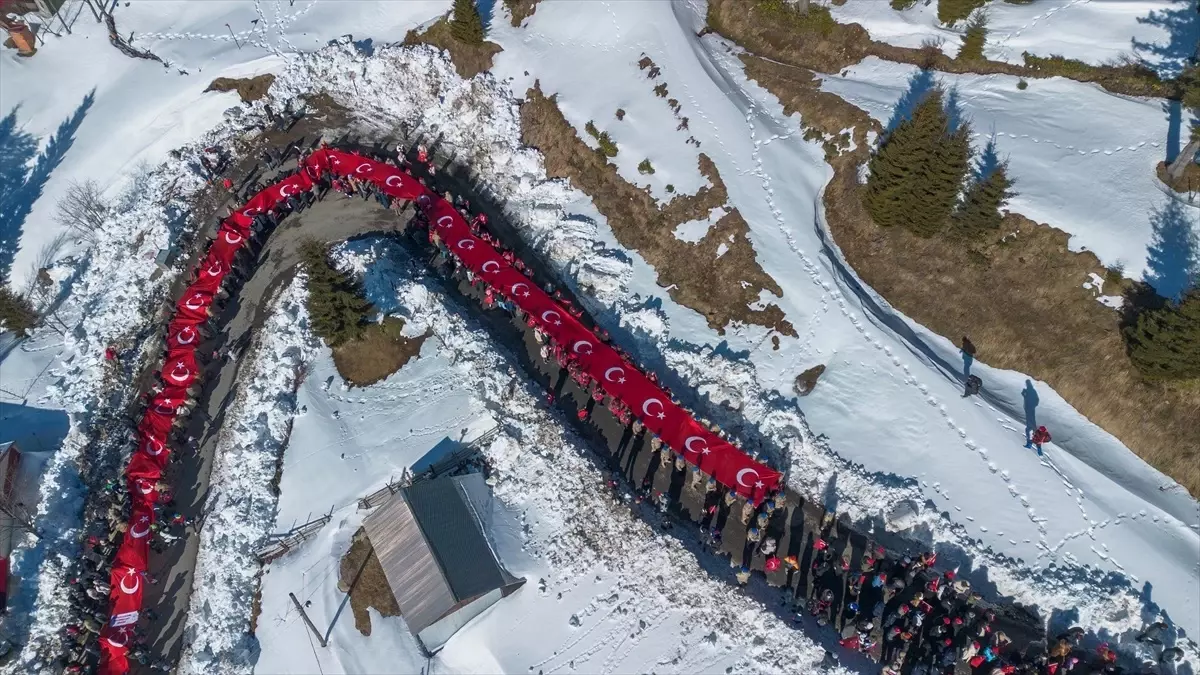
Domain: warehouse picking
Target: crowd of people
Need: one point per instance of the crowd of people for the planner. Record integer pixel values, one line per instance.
(911, 617)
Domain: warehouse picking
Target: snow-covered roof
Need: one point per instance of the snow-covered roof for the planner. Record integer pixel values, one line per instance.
(433, 550)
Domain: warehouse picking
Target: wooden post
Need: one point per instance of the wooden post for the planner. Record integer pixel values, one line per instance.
(308, 621)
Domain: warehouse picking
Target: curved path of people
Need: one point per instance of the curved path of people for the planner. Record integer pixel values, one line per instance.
(797, 527)
(610, 372)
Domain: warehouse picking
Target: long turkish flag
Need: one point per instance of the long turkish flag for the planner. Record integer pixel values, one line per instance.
(134, 551)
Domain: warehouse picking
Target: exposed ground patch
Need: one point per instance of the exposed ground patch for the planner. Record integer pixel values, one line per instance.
(469, 60)
(1188, 183)
(520, 10)
(773, 29)
(723, 287)
(1021, 301)
(381, 351)
(362, 576)
(248, 88)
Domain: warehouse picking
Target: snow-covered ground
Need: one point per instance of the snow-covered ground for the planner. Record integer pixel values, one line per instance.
(1092, 176)
(1083, 532)
(604, 592)
(241, 505)
(1163, 33)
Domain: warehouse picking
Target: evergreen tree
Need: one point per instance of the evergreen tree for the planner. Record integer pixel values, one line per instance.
(336, 305)
(979, 212)
(1164, 344)
(918, 171)
(975, 37)
(467, 24)
(16, 314)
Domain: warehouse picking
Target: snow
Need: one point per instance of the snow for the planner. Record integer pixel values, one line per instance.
(693, 231)
(605, 592)
(1099, 32)
(166, 106)
(240, 508)
(1088, 531)
(1091, 176)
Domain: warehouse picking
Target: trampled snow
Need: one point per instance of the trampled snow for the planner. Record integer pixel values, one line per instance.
(240, 508)
(1087, 529)
(605, 592)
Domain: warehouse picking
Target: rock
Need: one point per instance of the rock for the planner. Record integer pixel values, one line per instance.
(808, 380)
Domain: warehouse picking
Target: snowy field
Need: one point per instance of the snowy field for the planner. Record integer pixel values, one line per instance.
(639, 602)
(1161, 33)
(1089, 532)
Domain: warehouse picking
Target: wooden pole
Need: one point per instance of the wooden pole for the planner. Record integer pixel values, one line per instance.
(307, 620)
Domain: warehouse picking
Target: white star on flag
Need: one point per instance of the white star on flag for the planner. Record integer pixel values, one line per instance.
(758, 484)
(705, 451)
(661, 416)
(620, 380)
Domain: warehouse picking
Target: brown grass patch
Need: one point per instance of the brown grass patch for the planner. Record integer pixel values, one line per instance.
(721, 288)
(1021, 302)
(772, 29)
(469, 60)
(1188, 183)
(520, 10)
(381, 351)
(248, 88)
(362, 576)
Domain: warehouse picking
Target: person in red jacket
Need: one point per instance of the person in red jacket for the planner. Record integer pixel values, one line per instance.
(1037, 438)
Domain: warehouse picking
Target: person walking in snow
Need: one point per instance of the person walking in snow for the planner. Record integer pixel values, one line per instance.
(1037, 438)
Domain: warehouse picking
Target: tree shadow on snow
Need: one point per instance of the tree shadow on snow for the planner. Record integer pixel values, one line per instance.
(20, 190)
(1182, 24)
(1173, 261)
(919, 85)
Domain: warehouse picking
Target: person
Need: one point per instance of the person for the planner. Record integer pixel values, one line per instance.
(743, 575)
(1039, 437)
(974, 384)
(1153, 633)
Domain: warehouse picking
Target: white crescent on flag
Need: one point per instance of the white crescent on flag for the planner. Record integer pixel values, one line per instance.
(520, 284)
(252, 211)
(195, 302)
(557, 320)
(465, 244)
(180, 373)
(393, 178)
(582, 347)
(620, 379)
(153, 447)
(651, 402)
(743, 472)
(167, 407)
(283, 190)
(122, 644)
(233, 238)
(144, 486)
(185, 335)
(494, 264)
(214, 269)
(449, 221)
(142, 533)
(691, 439)
(362, 168)
(137, 583)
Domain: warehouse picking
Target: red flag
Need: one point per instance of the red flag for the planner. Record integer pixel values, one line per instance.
(194, 304)
(183, 335)
(114, 650)
(134, 552)
(181, 369)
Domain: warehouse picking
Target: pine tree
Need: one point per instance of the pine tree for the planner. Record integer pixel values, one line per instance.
(1164, 344)
(975, 38)
(467, 25)
(337, 307)
(16, 314)
(979, 212)
(917, 174)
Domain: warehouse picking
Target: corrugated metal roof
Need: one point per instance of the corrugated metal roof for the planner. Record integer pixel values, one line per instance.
(411, 570)
(455, 537)
(432, 548)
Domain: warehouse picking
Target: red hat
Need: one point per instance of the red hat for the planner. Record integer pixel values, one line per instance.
(947, 642)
